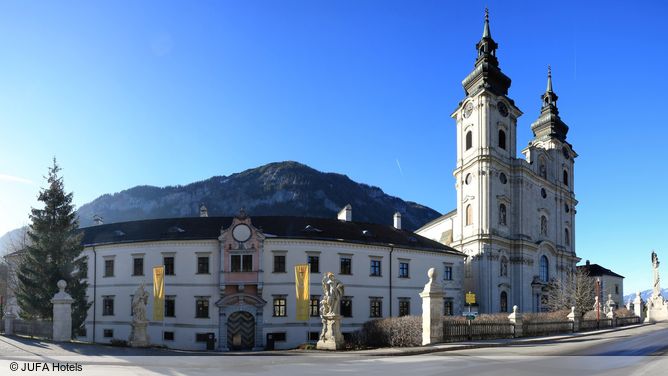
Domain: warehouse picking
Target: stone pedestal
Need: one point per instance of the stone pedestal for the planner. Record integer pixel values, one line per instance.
(62, 314)
(331, 337)
(639, 307)
(575, 319)
(139, 334)
(432, 310)
(9, 323)
(657, 310)
(516, 318)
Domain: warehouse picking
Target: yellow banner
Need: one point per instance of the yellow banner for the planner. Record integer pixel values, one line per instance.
(302, 288)
(158, 293)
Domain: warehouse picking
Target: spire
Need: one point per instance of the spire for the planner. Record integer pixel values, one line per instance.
(487, 74)
(485, 32)
(549, 124)
(550, 98)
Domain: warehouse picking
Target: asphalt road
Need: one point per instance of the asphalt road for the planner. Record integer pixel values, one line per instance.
(639, 351)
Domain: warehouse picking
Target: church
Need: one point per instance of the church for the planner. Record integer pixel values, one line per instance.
(515, 217)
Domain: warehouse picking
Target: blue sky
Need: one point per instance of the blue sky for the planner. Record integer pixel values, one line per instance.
(125, 93)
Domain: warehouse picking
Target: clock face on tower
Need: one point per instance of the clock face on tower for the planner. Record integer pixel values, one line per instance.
(503, 109)
(468, 109)
(241, 232)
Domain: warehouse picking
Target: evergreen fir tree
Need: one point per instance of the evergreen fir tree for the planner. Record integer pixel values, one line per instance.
(52, 253)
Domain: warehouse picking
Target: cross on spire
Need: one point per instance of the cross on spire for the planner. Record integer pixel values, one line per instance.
(486, 33)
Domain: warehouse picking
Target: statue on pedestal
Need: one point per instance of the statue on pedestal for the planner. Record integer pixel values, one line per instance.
(139, 335)
(330, 308)
(657, 306)
(657, 285)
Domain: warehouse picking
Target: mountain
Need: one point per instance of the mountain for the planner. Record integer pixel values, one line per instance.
(12, 240)
(282, 188)
(645, 295)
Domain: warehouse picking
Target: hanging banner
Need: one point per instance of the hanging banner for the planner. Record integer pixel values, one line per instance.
(302, 289)
(158, 293)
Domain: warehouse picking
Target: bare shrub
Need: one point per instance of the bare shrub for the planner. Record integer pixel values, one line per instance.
(538, 317)
(492, 318)
(623, 312)
(403, 331)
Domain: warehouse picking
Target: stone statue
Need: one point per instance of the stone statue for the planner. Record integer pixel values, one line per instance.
(139, 301)
(139, 335)
(330, 336)
(657, 306)
(610, 305)
(597, 305)
(655, 266)
(332, 293)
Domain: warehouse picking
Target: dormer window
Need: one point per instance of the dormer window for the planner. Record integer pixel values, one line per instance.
(310, 228)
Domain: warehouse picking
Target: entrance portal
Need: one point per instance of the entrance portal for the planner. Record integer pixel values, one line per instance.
(240, 331)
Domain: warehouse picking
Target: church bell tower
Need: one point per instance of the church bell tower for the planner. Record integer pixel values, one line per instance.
(486, 121)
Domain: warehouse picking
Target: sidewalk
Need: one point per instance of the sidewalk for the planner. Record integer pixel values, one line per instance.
(443, 347)
(452, 346)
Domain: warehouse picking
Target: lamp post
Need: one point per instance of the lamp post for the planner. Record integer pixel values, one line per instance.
(598, 302)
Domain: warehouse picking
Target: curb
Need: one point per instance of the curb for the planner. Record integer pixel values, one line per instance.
(455, 346)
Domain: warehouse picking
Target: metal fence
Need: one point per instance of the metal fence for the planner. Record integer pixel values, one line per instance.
(34, 328)
(544, 328)
(455, 330)
(463, 330)
(621, 321)
(595, 324)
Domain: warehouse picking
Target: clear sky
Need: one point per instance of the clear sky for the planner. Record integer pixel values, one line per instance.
(125, 93)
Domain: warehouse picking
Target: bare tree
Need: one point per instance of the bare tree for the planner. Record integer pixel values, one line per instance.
(576, 289)
(9, 265)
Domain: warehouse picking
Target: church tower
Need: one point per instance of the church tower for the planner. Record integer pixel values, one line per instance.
(486, 146)
(515, 217)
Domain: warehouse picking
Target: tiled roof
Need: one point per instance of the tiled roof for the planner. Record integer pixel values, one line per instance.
(596, 270)
(199, 228)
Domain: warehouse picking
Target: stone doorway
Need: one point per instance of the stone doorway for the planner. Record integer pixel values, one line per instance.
(240, 331)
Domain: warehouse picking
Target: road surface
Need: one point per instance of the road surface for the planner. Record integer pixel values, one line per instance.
(638, 351)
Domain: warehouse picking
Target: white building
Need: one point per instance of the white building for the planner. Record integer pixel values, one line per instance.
(515, 218)
(234, 277)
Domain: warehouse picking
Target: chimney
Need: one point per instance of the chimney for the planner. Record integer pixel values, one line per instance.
(97, 220)
(346, 214)
(397, 220)
(203, 212)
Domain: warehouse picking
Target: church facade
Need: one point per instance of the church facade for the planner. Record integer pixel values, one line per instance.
(515, 218)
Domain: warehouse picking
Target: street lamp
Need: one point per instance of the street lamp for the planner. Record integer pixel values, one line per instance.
(598, 300)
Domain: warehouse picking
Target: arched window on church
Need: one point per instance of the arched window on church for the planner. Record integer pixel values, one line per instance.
(544, 269)
(502, 139)
(543, 225)
(503, 267)
(469, 140)
(542, 169)
(567, 237)
(566, 178)
(502, 214)
(469, 215)
(503, 302)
